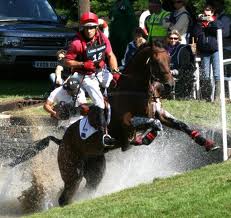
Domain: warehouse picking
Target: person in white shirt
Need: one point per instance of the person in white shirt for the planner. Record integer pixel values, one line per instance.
(65, 99)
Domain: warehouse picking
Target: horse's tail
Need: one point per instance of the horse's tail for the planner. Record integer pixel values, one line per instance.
(34, 150)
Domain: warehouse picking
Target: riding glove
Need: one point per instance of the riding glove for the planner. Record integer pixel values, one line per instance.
(89, 65)
(116, 76)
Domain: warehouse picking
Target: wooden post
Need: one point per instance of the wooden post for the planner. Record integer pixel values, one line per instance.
(84, 6)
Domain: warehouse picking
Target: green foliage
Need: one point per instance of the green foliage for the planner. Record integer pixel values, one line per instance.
(102, 7)
(140, 5)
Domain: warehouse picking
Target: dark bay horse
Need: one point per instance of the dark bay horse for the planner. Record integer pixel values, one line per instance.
(135, 105)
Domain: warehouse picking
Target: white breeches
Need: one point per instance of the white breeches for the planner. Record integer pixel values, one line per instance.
(91, 84)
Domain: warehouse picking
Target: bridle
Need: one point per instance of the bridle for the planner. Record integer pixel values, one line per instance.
(153, 80)
(150, 61)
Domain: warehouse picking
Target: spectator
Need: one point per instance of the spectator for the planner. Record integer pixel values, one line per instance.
(86, 56)
(218, 6)
(226, 31)
(206, 34)
(180, 20)
(64, 99)
(61, 71)
(132, 47)
(182, 64)
(157, 23)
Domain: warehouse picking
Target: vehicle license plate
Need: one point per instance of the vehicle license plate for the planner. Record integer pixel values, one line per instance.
(44, 64)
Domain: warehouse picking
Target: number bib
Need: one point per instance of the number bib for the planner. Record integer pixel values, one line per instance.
(96, 53)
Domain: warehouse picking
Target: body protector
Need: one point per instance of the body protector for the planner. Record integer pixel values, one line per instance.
(96, 53)
(92, 51)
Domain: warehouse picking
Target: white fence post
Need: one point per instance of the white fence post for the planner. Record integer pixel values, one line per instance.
(222, 95)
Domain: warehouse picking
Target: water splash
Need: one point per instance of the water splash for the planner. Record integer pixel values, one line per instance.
(171, 153)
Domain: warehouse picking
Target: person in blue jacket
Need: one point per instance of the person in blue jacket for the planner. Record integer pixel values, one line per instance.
(133, 46)
(182, 64)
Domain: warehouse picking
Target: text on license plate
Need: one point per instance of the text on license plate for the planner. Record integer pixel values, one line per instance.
(44, 64)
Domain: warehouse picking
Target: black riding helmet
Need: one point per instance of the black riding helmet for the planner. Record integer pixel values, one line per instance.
(71, 85)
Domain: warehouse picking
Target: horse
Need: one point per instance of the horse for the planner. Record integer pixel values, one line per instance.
(135, 105)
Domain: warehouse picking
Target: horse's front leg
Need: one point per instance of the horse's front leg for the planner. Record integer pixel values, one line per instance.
(71, 170)
(170, 121)
(150, 126)
(94, 168)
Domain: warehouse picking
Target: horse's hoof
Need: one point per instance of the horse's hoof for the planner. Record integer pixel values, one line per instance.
(210, 145)
(62, 201)
(214, 148)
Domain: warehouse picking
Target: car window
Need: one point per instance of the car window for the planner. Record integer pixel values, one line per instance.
(27, 9)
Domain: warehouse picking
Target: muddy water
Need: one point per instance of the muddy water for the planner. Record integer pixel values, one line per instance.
(36, 184)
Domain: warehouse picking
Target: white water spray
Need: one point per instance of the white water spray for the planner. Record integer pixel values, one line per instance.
(171, 153)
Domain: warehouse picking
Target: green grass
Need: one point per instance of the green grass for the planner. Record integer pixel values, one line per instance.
(203, 192)
(190, 111)
(198, 112)
(200, 193)
(16, 89)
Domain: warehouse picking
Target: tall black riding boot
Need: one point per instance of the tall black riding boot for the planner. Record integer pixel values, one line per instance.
(107, 140)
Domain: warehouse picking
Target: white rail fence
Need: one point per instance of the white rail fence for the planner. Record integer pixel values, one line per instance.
(223, 79)
(196, 92)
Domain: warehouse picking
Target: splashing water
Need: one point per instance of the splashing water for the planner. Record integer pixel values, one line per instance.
(170, 154)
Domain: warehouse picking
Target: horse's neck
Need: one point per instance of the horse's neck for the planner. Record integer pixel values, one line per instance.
(124, 101)
(136, 73)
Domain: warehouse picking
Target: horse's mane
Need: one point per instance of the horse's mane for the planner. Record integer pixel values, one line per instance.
(150, 63)
(145, 45)
(155, 44)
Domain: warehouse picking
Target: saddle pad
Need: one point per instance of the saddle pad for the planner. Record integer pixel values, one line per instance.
(85, 128)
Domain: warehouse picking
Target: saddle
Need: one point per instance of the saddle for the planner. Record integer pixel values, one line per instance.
(89, 123)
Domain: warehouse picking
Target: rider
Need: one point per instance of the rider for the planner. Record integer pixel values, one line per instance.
(86, 56)
(56, 103)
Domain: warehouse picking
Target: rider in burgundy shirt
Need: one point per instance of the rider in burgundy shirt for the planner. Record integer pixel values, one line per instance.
(86, 56)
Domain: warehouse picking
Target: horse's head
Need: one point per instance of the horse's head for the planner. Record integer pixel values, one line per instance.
(160, 67)
(150, 64)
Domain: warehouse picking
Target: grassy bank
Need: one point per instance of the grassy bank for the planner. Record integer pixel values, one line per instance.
(198, 112)
(203, 192)
(16, 89)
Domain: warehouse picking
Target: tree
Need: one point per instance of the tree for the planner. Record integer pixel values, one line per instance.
(102, 7)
